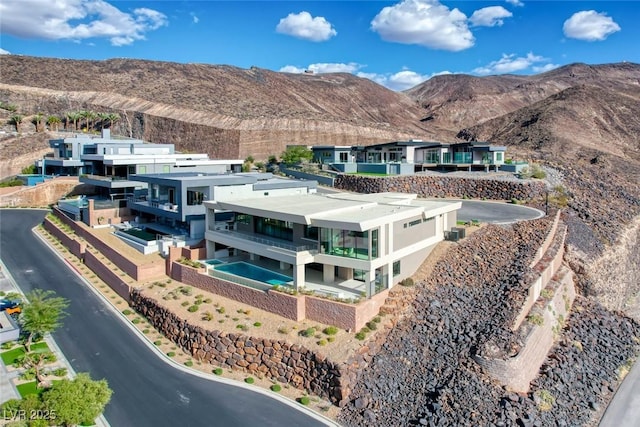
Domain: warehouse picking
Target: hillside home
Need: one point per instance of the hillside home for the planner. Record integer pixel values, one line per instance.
(108, 163)
(407, 157)
(176, 200)
(344, 245)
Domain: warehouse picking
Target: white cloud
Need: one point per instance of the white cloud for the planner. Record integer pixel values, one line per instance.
(405, 79)
(515, 2)
(304, 26)
(489, 16)
(78, 20)
(589, 25)
(323, 67)
(424, 22)
(510, 63)
(545, 68)
(4, 52)
(195, 18)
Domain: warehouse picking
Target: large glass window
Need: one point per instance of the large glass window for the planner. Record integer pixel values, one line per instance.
(243, 218)
(396, 268)
(274, 228)
(345, 243)
(344, 157)
(194, 197)
(374, 243)
(311, 232)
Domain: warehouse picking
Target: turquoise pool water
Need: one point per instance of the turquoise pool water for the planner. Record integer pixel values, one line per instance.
(213, 261)
(253, 272)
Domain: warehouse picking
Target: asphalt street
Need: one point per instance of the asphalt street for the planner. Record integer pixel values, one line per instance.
(147, 391)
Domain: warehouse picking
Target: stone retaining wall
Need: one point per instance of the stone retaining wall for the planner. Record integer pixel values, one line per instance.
(137, 272)
(75, 247)
(443, 186)
(107, 275)
(278, 360)
(517, 372)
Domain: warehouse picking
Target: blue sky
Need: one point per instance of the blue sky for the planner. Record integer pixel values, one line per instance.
(395, 43)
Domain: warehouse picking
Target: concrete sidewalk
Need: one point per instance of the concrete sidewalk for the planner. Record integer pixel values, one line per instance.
(8, 389)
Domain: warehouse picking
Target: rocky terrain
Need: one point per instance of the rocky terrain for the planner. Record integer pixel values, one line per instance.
(424, 374)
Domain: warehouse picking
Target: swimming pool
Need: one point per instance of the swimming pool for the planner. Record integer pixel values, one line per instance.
(212, 261)
(250, 271)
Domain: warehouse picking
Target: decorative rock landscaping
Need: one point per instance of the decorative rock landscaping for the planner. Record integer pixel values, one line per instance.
(425, 373)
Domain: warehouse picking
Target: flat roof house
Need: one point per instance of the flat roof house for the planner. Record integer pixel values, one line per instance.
(177, 199)
(344, 245)
(108, 163)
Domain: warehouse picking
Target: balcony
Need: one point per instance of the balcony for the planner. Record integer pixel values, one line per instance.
(154, 204)
(277, 243)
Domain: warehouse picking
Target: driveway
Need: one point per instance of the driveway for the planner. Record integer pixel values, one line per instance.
(496, 212)
(146, 390)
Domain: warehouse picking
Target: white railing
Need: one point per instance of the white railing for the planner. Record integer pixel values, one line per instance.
(269, 242)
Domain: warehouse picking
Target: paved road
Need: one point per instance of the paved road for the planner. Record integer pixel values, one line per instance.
(147, 391)
(496, 212)
(624, 409)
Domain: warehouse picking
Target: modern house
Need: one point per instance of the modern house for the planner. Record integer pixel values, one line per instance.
(108, 163)
(407, 157)
(344, 245)
(176, 200)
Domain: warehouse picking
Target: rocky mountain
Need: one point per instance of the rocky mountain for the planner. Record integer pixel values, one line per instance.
(222, 110)
(580, 121)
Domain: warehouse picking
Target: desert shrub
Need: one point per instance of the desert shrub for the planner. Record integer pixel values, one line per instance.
(365, 330)
(309, 332)
(207, 300)
(544, 400)
(145, 331)
(127, 312)
(221, 310)
(171, 353)
(157, 342)
(136, 320)
(407, 282)
(275, 387)
(535, 319)
(304, 400)
(249, 380)
(184, 303)
(257, 324)
(330, 330)
(207, 315)
(372, 325)
(360, 336)
(283, 330)
(331, 339)
(188, 363)
(242, 327)
(377, 319)
(192, 309)
(217, 371)
(322, 342)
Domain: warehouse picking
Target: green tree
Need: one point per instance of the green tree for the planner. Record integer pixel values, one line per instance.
(296, 154)
(88, 116)
(29, 170)
(77, 401)
(41, 314)
(17, 119)
(54, 122)
(36, 361)
(113, 117)
(104, 118)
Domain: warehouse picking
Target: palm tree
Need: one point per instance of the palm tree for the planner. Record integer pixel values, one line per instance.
(37, 120)
(54, 122)
(104, 117)
(17, 120)
(89, 117)
(113, 117)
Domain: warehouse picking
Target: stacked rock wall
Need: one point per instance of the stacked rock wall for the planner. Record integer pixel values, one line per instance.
(443, 186)
(278, 360)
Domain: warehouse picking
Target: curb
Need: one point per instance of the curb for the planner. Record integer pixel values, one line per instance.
(166, 359)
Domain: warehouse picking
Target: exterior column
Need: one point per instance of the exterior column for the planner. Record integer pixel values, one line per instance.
(370, 278)
(298, 276)
(328, 273)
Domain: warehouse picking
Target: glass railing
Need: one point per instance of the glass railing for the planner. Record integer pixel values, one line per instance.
(270, 242)
(461, 157)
